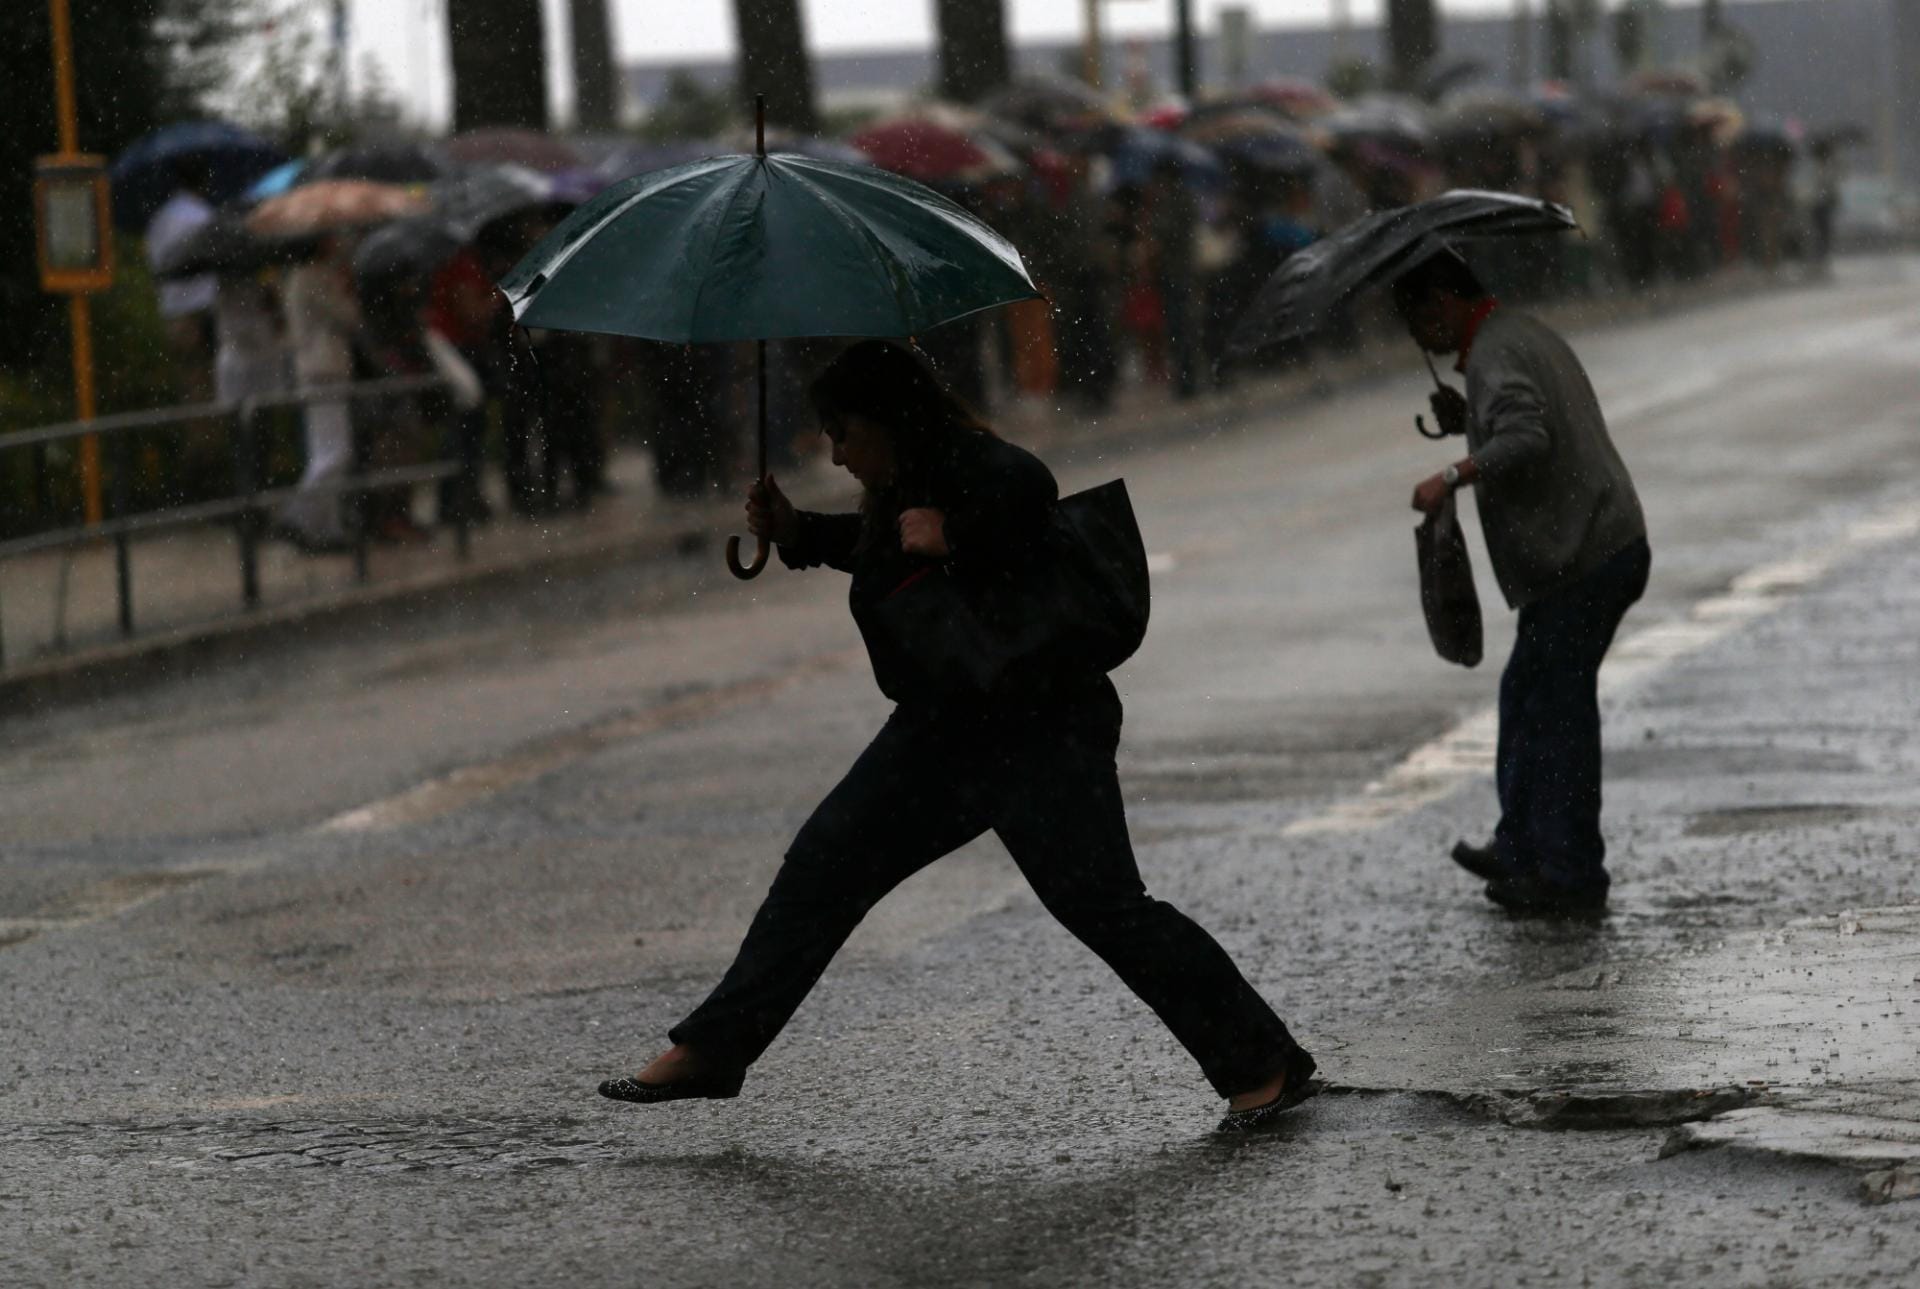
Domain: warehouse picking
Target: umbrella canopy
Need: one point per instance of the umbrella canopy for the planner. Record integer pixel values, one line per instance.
(1483, 113)
(934, 150)
(513, 146)
(1137, 152)
(1382, 118)
(1312, 283)
(387, 163)
(1257, 137)
(275, 181)
(1051, 104)
(148, 173)
(1298, 97)
(462, 208)
(764, 248)
(333, 205)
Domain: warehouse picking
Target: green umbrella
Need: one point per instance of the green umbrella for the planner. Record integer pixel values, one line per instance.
(764, 248)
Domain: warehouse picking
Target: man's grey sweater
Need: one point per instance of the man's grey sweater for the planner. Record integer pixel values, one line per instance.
(1555, 499)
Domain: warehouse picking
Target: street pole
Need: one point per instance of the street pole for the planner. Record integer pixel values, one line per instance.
(79, 313)
(1090, 65)
(1522, 54)
(1185, 70)
(1342, 28)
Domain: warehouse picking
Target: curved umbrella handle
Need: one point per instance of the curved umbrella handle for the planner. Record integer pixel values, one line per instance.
(746, 571)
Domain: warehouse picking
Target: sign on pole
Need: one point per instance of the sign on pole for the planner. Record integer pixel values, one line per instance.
(74, 236)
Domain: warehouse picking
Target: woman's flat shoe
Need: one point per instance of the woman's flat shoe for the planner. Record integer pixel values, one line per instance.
(1299, 1086)
(711, 1086)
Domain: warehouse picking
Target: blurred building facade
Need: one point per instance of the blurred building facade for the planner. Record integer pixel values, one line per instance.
(1821, 62)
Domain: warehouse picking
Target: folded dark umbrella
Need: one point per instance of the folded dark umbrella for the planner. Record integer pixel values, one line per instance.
(224, 244)
(1303, 295)
(148, 173)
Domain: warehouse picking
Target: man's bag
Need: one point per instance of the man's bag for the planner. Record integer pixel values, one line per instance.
(1446, 587)
(1079, 607)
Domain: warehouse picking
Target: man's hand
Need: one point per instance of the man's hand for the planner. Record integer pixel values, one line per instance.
(923, 531)
(1429, 495)
(1449, 410)
(769, 513)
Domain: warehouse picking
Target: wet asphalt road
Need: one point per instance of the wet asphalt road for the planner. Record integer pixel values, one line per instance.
(311, 965)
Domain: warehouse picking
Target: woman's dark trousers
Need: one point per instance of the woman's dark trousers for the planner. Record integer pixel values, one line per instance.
(1548, 764)
(1049, 791)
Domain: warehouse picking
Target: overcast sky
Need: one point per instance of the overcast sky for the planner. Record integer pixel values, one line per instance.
(405, 36)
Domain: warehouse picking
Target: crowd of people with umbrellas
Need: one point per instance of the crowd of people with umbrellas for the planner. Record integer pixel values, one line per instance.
(1148, 233)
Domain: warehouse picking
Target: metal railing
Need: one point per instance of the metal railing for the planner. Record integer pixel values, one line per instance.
(248, 505)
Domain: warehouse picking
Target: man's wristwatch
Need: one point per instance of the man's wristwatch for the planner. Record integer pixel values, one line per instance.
(1451, 476)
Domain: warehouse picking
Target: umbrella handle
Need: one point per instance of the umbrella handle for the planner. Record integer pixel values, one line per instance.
(745, 572)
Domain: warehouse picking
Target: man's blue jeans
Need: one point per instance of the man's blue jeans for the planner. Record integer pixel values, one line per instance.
(1548, 770)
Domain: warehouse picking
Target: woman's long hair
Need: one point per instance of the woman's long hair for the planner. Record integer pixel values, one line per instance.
(889, 386)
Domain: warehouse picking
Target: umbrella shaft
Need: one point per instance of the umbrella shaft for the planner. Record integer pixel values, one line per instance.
(762, 345)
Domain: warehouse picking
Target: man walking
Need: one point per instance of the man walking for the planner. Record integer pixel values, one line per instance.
(1569, 547)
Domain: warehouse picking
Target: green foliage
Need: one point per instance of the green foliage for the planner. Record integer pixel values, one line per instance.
(1633, 26)
(690, 110)
(1352, 77)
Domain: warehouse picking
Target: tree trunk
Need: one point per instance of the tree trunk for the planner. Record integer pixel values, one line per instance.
(499, 56)
(973, 48)
(596, 88)
(1413, 38)
(773, 61)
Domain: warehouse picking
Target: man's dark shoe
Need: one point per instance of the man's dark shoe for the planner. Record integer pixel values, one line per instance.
(1481, 861)
(1529, 895)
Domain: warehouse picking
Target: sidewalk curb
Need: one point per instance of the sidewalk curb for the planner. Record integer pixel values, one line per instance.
(96, 673)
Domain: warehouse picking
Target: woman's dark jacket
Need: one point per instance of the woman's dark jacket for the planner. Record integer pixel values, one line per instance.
(998, 500)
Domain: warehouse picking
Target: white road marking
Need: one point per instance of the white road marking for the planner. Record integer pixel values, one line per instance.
(474, 783)
(1437, 769)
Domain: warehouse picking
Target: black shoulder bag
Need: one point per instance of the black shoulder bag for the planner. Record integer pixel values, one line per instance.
(1079, 607)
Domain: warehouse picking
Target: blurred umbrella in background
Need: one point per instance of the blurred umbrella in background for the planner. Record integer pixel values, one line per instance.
(1051, 105)
(640, 158)
(225, 245)
(936, 147)
(275, 181)
(388, 163)
(513, 146)
(462, 208)
(332, 206)
(1298, 97)
(1256, 137)
(1137, 152)
(226, 157)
